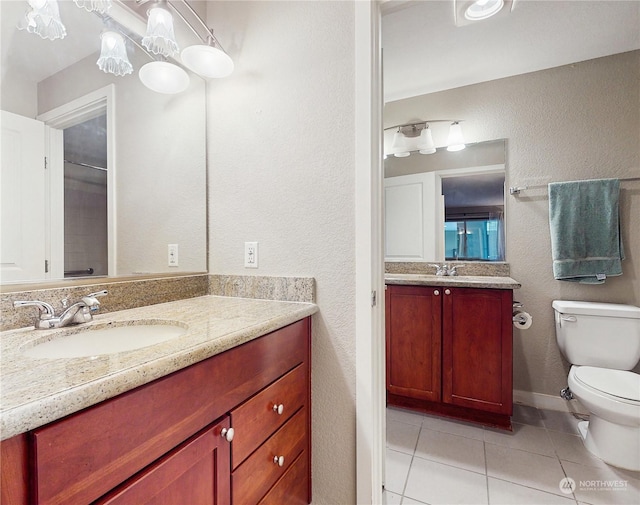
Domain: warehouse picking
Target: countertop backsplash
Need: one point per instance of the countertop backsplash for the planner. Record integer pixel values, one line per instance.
(132, 293)
(474, 268)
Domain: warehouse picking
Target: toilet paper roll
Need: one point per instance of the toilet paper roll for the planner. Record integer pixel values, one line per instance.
(522, 320)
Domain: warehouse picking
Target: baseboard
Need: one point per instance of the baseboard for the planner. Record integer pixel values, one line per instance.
(549, 402)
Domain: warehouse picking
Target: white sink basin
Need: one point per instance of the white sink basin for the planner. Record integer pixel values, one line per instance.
(109, 338)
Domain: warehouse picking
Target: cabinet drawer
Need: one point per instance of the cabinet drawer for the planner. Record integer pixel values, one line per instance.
(80, 458)
(293, 487)
(255, 420)
(182, 476)
(253, 478)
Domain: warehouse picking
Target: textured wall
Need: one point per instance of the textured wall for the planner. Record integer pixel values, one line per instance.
(281, 172)
(578, 121)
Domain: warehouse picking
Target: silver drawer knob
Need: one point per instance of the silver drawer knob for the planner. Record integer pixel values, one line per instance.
(447, 291)
(278, 409)
(436, 292)
(278, 460)
(227, 434)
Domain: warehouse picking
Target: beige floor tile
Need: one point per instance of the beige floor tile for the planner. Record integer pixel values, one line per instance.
(560, 421)
(523, 437)
(438, 484)
(404, 416)
(571, 448)
(453, 427)
(507, 493)
(396, 471)
(389, 498)
(455, 450)
(604, 485)
(525, 468)
(402, 437)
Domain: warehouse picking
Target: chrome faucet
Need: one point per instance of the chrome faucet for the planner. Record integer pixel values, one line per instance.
(441, 269)
(78, 313)
(445, 270)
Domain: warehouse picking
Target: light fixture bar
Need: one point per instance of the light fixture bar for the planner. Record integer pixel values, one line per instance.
(423, 121)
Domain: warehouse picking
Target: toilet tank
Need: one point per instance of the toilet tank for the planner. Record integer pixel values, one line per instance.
(605, 335)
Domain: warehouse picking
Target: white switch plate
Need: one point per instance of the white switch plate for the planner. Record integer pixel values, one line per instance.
(251, 255)
(173, 255)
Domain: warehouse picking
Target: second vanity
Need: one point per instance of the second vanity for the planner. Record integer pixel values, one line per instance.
(449, 346)
(220, 414)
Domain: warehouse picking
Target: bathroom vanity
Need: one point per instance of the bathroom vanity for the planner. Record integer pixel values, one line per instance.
(449, 346)
(233, 427)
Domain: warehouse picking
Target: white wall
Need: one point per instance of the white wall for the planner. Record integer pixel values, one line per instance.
(281, 172)
(578, 121)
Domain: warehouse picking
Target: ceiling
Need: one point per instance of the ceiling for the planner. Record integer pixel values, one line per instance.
(424, 51)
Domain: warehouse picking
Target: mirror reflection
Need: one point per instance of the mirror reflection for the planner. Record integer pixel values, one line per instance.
(446, 205)
(126, 173)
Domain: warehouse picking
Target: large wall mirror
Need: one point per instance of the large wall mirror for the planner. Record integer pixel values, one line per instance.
(126, 166)
(446, 205)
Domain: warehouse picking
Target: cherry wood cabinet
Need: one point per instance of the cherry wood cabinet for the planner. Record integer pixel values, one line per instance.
(164, 440)
(449, 351)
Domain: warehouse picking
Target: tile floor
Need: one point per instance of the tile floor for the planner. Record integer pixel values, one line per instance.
(434, 461)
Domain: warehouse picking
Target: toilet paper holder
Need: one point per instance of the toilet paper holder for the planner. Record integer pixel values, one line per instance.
(520, 318)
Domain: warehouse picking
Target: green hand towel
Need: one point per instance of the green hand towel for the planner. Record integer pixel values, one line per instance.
(585, 230)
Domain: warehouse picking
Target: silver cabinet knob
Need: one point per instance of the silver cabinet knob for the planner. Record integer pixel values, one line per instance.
(278, 460)
(227, 434)
(436, 292)
(278, 409)
(447, 291)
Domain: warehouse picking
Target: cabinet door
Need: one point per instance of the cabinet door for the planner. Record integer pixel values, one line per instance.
(477, 349)
(413, 340)
(198, 471)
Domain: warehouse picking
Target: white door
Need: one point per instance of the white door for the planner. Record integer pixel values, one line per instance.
(22, 204)
(413, 225)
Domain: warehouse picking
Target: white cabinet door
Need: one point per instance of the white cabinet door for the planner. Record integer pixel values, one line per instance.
(413, 219)
(22, 204)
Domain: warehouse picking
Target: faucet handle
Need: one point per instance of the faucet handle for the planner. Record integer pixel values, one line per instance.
(440, 269)
(45, 310)
(454, 271)
(104, 292)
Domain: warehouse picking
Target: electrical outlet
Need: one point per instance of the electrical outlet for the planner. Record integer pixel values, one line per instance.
(173, 255)
(251, 255)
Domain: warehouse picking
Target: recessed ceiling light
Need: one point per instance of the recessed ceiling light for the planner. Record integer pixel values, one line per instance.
(483, 9)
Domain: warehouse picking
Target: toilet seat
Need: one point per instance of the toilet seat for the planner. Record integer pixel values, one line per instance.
(619, 385)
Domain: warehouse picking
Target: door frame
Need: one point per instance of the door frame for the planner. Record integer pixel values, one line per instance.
(369, 261)
(76, 111)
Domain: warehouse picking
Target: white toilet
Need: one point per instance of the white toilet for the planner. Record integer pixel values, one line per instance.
(602, 342)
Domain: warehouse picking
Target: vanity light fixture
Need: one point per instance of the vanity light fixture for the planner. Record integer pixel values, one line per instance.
(399, 145)
(43, 19)
(418, 137)
(160, 37)
(164, 77)
(99, 6)
(113, 55)
(425, 144)
(456, 139)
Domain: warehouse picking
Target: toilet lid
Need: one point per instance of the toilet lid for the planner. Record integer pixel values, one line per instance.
(620, 383)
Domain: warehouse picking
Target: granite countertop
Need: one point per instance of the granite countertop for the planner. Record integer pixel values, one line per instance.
(465, 281)
(38, 391)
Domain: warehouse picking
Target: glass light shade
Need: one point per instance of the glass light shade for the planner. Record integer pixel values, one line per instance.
(43, 19)
(207, 61)
(99, 6)
(456, 139)
(164, 77)
(425, 143)
(160, 38)
(113, 55)
(399, 145)
(483, 9)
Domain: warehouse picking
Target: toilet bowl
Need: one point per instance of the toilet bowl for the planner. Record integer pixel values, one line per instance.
(602, 342)
(613, 400)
